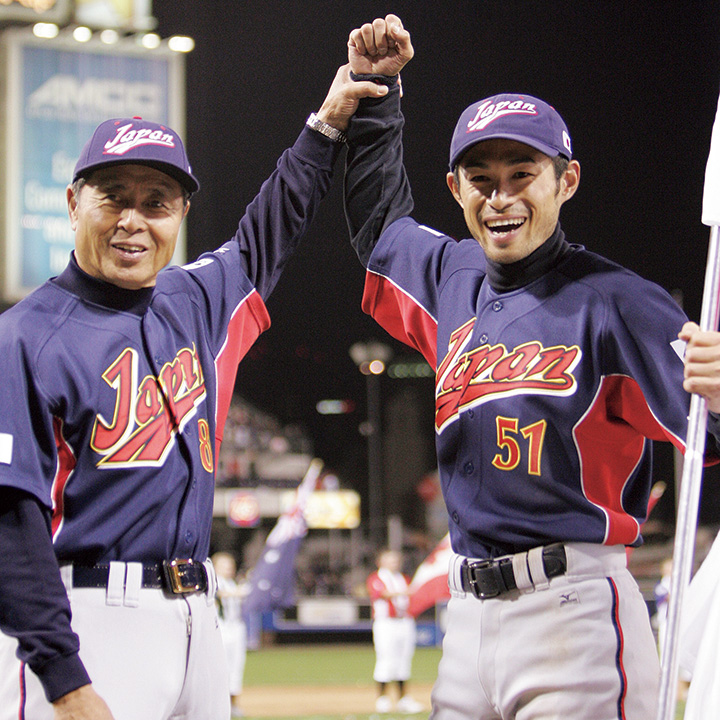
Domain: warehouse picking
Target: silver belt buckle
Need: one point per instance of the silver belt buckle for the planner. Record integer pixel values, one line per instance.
(182, 575)
(485, 568)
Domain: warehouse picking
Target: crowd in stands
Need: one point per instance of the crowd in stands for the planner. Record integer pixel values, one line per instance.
(249, 434)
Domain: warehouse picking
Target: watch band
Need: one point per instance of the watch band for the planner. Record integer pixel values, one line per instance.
(323, 128)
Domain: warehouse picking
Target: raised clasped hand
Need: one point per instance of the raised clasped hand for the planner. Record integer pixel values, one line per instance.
(382, 47)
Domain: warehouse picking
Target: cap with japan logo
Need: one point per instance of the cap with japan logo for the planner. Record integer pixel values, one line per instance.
(134, 140)
(523, 118)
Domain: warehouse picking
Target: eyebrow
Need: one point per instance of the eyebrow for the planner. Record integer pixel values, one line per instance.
(519, 160)
(111, 184)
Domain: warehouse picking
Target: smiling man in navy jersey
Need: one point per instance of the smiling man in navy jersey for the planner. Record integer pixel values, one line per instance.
(117, 378)
(555, 371)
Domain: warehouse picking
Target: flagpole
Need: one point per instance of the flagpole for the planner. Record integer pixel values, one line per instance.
(272, 579)
(691, 483)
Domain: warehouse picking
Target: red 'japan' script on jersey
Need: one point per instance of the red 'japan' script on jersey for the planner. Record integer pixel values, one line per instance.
(465, 379)
(147, 413)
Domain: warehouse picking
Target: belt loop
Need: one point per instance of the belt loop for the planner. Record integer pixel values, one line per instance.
(116, 583)
(522, 571)
(66, 575)
(211, 581)
(455, 584)
(537, 568)
(133, 583)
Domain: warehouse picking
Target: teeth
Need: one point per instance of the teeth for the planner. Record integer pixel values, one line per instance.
(516, 222)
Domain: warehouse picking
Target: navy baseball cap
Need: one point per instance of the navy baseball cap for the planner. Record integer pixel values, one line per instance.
(515, 117)
(134, 140)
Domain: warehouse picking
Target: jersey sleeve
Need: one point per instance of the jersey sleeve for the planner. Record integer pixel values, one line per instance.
(276, 220)
(377, 190)
(34, 607)
(406, 275)
(639, 339)
(28, 451)
(642, 340)
(229, 286)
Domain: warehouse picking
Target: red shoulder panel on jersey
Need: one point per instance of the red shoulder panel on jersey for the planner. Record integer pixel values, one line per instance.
(249, 320)
(620, 415)
(401, 315)
(65, 465)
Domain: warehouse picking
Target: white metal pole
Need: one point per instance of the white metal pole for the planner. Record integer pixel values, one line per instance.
(687, 515)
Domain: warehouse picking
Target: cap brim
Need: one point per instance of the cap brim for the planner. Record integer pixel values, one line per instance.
(188, 181)
(542, 147)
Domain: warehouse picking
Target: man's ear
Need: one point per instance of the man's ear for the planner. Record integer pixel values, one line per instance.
(570, 180)
(454, 188)
(72, 206)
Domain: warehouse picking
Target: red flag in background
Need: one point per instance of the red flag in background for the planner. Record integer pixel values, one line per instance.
(430, 582)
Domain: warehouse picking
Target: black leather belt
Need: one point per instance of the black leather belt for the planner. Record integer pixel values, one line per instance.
(490, 578)
(179, 576)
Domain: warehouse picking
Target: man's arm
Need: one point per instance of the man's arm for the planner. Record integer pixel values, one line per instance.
(34, 608)
(377, 190)
(278, 217)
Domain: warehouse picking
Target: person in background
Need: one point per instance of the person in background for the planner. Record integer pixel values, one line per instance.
(393, 632)
(228, 600)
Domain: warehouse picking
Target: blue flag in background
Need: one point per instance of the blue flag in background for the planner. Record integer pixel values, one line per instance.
(272, 581)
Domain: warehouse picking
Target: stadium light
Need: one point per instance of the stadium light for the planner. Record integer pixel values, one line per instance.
(82, 34)
(371, 358)
(181, 43)
(46, 31)
(335, 407)
(109, 36)
(149, 41)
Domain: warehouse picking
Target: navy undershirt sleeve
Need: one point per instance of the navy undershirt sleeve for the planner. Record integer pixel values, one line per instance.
(377, 190)
(34, 607)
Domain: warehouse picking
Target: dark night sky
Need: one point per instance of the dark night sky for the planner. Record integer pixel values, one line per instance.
(637, 83)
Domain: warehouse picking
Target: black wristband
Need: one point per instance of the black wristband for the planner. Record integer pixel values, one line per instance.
(388, 80)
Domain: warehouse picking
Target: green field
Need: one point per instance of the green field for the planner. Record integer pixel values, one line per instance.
(347, 667)
(346, 664)
(285, 666)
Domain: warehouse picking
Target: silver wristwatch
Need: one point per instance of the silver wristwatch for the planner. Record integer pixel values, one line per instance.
(317, 124)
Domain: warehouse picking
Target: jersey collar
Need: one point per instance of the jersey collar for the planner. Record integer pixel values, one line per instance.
(78, 282)
(504, 278)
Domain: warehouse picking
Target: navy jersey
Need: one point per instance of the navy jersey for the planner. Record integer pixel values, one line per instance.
(547, 396)
(113, 402)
